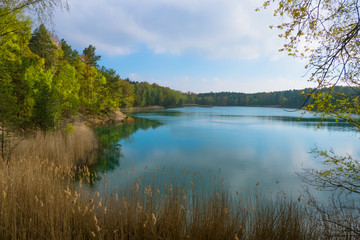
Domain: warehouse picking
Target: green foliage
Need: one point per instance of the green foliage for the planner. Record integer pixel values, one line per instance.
(341, 172)
(43, 109)
(90, 58)
(149, 95)
(65, 91)
(10, 48)
(15, 57)
(288, 99)
(69, 128)
(7, 102)
(69, 54)
(285, 99)
(127, 93)
(42, 45)
(113, 88)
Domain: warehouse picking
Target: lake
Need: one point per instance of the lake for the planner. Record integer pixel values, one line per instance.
(249, 147)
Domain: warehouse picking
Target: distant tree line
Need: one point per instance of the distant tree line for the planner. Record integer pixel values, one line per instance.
(285, 99)
(289, 99)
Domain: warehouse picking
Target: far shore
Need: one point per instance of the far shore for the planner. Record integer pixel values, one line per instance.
(209, 106)
(138, 109)
(152, 108)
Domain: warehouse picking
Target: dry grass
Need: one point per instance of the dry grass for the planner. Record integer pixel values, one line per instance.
(72, 146)
(35, 202)
(150, 211)
(40, 199)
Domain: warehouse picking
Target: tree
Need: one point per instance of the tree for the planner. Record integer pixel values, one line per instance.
(15, 57)
(7, 115)
(65, 90)
(128, 96)
(90, 58)
(42, 45)
(113, 87)
(93, 90)
(43, 110)
(69, 54)
(328, 33)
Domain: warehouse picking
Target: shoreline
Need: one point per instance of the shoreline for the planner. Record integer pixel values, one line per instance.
(138, 109)
(113, 117)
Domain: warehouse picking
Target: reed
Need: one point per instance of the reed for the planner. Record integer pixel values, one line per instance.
(36, 202)
(146, 210)
(40, 199)
(75, 145)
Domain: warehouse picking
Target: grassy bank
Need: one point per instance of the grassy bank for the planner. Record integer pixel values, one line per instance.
(72, 146)
(40, 199)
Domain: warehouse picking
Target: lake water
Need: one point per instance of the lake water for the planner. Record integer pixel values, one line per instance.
(251, 146)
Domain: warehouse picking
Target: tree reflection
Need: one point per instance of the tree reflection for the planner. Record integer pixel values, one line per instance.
(109, 137)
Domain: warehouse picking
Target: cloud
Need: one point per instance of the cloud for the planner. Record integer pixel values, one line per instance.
(139, 78)
(136, 77)
(212, 28)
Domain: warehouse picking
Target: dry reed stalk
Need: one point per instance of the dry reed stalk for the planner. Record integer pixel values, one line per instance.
(38, 203)
(61, 147)
(40, 200)
(179, 214)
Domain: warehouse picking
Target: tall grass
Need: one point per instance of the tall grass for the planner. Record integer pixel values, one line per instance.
(75, 145)
(144, 210)
(40, 199)
(37, 202)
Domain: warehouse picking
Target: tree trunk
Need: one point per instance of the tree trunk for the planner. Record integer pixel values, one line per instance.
(3, 138)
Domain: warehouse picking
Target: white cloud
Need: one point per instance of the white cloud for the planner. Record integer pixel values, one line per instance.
(139, 78)
(136, 77)
(212, 28)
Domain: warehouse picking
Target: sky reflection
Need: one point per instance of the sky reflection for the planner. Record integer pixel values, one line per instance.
(249, 145)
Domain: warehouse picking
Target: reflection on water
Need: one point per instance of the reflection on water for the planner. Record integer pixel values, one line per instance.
(330, 124)
(110, 137)
(250, 145)
(283, 115)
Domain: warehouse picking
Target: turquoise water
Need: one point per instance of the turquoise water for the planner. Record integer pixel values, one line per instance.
(246, 146)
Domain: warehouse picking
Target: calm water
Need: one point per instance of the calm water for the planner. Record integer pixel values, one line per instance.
(249, 145)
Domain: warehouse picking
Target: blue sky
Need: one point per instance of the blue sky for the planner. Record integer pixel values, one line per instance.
(188, 45)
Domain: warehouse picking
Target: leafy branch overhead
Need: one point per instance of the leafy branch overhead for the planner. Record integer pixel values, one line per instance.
(327, 34)
(43, 9)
